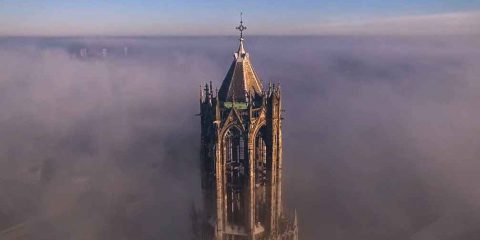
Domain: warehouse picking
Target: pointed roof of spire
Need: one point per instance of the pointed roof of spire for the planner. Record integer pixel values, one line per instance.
(241, 78)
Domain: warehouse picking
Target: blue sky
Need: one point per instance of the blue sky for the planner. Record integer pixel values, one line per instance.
(148, 17)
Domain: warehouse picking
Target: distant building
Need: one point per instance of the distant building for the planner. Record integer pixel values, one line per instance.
(100, 52)
(83, 52)
(104, 52)
(241, 158)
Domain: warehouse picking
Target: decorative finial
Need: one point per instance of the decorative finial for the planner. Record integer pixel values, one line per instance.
(241, 27)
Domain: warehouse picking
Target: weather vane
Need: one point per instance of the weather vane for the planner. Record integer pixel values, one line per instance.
(241, 27)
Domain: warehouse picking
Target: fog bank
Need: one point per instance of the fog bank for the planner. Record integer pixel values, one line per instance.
(380, 134)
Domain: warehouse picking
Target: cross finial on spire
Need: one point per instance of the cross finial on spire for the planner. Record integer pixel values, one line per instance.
(241, 27)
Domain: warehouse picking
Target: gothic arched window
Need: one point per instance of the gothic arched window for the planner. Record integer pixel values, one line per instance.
(260, 176)
(236, 171)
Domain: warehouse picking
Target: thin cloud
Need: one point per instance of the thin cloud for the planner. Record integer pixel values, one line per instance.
(459, 23)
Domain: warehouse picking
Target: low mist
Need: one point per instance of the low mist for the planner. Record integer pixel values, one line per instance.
(381, 134)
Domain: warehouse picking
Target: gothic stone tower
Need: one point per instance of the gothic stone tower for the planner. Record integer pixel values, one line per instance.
(241, 157)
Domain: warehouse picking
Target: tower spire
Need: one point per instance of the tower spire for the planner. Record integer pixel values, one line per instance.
(241, 78)
(241, 28)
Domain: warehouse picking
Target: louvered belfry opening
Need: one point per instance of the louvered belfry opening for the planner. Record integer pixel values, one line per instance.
(260, 178)
(236, 175)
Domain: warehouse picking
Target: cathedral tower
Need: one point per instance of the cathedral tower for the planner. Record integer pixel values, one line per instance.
(241, 158)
